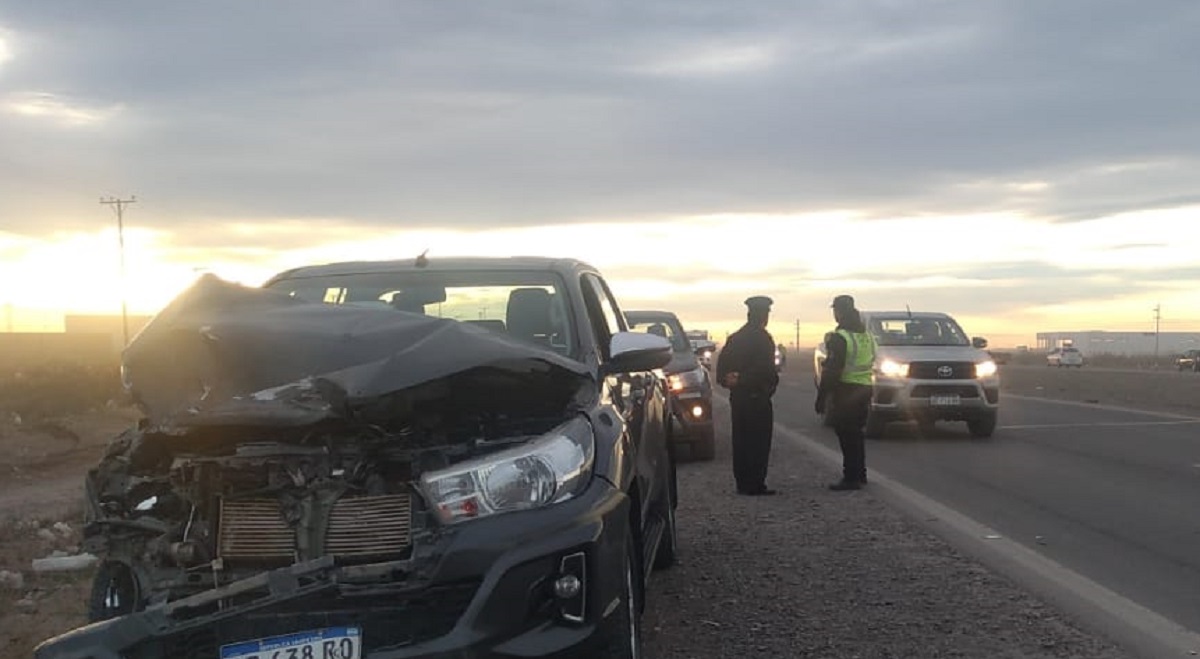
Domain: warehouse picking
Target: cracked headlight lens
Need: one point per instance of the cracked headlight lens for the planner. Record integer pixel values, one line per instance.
(546, 470)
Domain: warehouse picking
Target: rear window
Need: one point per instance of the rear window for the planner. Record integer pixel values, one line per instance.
(662, 327)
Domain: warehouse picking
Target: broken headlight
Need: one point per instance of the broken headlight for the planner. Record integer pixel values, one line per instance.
(549, 469)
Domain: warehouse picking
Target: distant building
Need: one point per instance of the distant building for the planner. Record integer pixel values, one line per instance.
(1100, 342)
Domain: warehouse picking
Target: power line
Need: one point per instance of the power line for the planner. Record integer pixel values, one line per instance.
(118, 205)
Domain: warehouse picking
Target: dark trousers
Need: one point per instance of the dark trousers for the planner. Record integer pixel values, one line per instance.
(852, 403)
(753, 422)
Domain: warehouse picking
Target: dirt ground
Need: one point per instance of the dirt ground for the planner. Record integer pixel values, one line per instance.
(42, 464)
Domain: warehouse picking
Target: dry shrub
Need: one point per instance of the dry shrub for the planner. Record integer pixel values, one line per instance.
(59, 389)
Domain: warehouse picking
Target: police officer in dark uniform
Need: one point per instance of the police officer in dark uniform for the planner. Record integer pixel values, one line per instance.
(746, 366)
(846, 381)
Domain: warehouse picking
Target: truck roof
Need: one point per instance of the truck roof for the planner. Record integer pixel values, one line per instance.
(434, 264)
(905, 314)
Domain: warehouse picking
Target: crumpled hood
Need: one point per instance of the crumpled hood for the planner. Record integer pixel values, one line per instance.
(226, 353)
(931, 353)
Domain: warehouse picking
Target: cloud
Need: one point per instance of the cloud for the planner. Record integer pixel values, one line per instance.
(713, 60)
(981, 156)
(533, 113)
(62, 111)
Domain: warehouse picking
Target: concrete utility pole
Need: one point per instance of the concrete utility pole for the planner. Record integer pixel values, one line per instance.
(1157, 321)
(118, 205)
(796, 348)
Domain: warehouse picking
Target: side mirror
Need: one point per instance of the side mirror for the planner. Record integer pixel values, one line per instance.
(637, 351)
(979, 342)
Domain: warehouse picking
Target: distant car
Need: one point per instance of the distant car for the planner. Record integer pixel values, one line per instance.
(1065, 357)
(689, 384)
(1189, 361)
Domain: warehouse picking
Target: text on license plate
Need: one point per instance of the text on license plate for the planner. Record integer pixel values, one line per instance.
(944, 401)
(329, 643)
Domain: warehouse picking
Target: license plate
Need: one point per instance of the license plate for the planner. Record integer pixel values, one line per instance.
(330, 643)
(944, 401)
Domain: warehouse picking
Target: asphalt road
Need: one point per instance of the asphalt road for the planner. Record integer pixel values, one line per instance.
(1112, 494)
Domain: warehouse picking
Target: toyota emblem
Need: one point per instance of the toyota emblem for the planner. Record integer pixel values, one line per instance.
(945, 371)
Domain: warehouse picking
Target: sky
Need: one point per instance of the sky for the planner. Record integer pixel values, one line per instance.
(1023, 165)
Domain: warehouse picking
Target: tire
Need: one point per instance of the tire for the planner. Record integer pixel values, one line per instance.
(114, 592)
(623, 629)
(983, 427)
(668, 547)
(876, 427)
(704, 447)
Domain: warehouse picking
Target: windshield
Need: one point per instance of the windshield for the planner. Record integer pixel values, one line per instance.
(529, 306)
(917, 331)
(665, 327)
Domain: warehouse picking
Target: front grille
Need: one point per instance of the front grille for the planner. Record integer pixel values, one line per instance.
(960, 390)
(930, 370)
(254, 530)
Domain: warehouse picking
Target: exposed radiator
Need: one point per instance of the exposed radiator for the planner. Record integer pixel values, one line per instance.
(358, 528)
(369, 526)
(253, 529)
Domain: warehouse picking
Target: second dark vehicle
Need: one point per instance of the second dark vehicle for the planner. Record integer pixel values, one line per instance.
(689, 384)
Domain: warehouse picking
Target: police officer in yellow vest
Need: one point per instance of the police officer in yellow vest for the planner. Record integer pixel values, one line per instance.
(846, 384)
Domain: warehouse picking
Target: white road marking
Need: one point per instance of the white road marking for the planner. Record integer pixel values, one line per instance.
(1108, 424)
(1098, 406)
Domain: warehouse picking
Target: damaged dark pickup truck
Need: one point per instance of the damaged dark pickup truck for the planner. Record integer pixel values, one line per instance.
(440, 458)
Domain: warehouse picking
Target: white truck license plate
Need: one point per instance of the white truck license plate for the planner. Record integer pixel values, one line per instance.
(944, 401)
(330, 643)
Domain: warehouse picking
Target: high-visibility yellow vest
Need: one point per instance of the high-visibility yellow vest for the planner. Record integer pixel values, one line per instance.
(860, 357)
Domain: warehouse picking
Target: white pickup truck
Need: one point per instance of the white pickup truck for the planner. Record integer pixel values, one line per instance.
(927, 369)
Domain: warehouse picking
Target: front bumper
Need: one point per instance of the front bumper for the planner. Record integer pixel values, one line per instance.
(952, 400)
(483, 589)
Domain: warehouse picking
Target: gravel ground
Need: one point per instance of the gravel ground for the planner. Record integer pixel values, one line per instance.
(815, 573)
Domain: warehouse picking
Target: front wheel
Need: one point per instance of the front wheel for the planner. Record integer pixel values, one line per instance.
(704, 446)
(114, 592)
(982, 427)
(668, 547)
(876, 426)
(623, 629)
